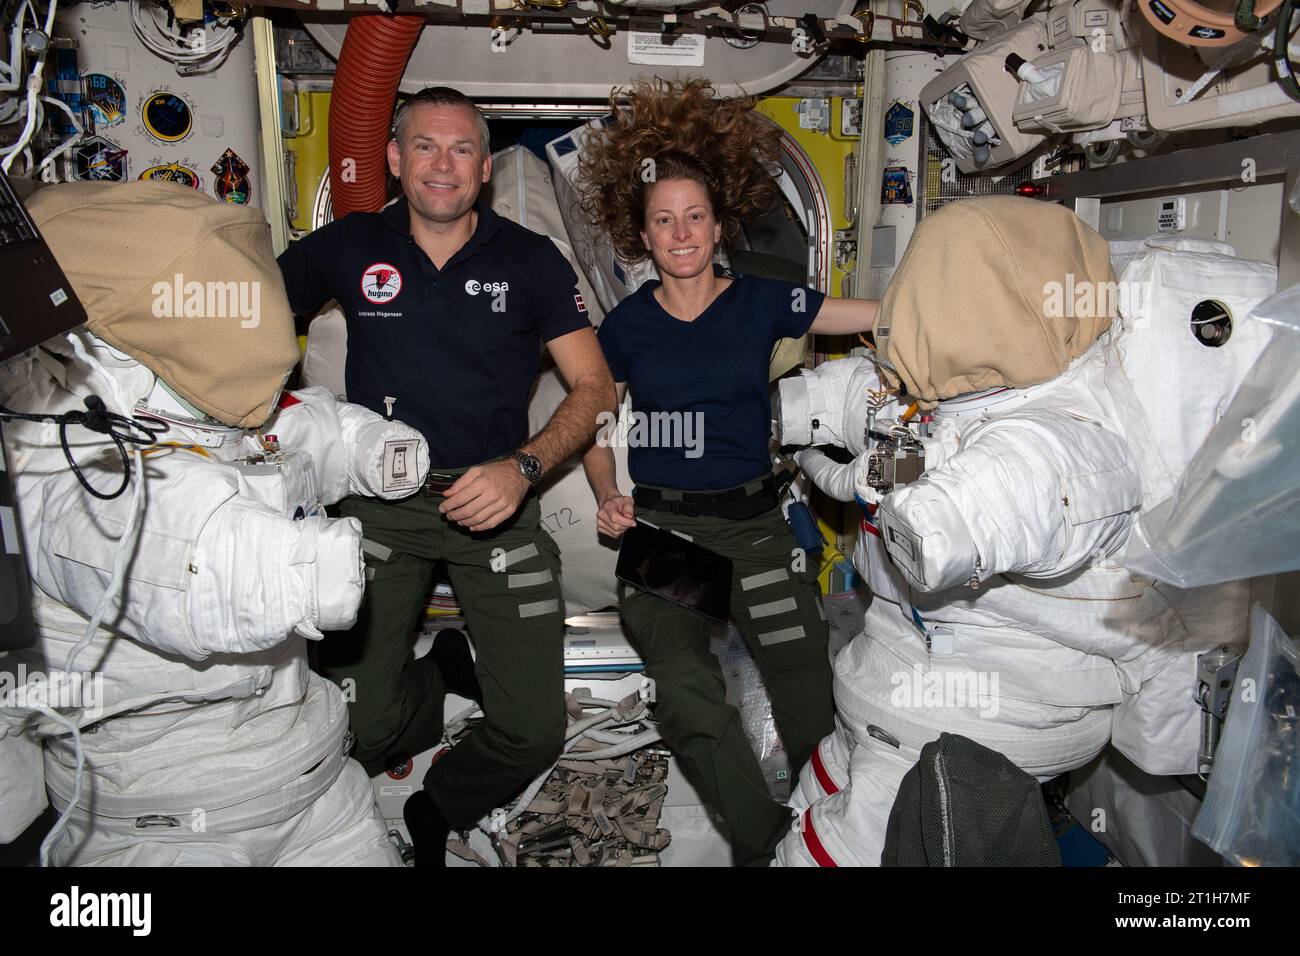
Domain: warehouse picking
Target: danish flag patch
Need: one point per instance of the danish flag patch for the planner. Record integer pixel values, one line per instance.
(577, 300)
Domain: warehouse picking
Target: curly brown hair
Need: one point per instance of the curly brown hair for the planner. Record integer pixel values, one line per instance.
(689, 133)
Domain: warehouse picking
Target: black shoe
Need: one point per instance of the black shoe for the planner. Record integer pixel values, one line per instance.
(428, 830)
(450, 652)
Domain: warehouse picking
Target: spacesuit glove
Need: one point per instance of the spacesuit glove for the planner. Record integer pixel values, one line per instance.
(863, 491)
(388, 459)
(260, 576)
(340, 576)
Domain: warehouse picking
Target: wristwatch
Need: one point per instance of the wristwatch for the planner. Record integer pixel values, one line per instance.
(529, 466)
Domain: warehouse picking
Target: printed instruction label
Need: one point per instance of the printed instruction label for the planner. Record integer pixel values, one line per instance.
(400, 467)
(686, 50)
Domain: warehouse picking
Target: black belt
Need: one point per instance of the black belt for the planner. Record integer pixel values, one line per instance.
(439, 482)
(735, 504)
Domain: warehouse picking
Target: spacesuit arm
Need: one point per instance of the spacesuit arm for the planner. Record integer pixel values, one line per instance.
(829, 405)
(830, 476)
(354, 450)
(1039, 493)
(212, 569)
(812, 408)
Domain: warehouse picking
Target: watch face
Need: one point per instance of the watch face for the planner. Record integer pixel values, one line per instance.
(529, 465)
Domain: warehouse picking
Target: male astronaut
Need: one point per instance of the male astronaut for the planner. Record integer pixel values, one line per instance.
(1000, 609)
(211, 742)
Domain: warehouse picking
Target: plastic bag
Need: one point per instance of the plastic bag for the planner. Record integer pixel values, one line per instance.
(1251, 813)
(1236, 512)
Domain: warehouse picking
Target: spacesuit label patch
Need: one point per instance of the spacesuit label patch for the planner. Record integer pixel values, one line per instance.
(905, 548)
(400, 467)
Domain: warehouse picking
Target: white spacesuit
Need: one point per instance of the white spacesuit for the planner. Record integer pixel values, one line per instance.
(207, 740)
(1001, 610)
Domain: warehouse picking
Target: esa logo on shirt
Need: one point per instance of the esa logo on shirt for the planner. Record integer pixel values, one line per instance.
(474, 287)
(381, 282)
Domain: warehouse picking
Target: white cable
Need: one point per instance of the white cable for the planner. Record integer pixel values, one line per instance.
(33, 94)
(125, 548)
(126, 544)
(33, 112)
(67, 144)
(9, 110)
(62, 823)
(175, 46)
(16, 48)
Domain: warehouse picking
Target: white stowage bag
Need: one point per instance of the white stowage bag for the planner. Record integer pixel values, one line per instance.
(1232, 515)
(1124, 251)
(613, 278)
(1185, 392)
(327, 352)
(521, 190)
(569, 513)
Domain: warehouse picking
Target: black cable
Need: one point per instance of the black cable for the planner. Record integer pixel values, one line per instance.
(1281, 55)
(96, 418)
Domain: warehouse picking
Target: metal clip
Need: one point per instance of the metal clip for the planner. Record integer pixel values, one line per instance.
(1216, 671)
(157, 822)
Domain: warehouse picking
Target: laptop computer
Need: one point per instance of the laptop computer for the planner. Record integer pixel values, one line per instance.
(38, 302)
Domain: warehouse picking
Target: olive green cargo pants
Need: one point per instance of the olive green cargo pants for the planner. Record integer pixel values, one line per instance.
(776, 605)
(507, 581)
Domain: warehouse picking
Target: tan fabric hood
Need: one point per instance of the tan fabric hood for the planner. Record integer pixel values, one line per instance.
(994, 291)
(183, 283)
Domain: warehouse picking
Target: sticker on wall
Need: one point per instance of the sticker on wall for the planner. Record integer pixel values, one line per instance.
(232, 183)
(897, 187)
(107, 98)
(899, 121)
(63, 82)
(167, 116)
(97, 159)
(179, 173)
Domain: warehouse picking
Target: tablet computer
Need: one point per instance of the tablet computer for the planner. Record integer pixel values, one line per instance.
(676, 569)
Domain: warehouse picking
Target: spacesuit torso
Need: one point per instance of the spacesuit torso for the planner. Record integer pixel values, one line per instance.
(205, 722)
(1001, 608)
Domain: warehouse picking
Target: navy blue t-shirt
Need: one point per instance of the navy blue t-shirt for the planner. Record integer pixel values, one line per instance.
(701, 387)
(458, 348)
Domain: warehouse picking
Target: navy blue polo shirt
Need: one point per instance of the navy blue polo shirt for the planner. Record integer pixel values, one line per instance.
(458, 348)
(701, 387)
